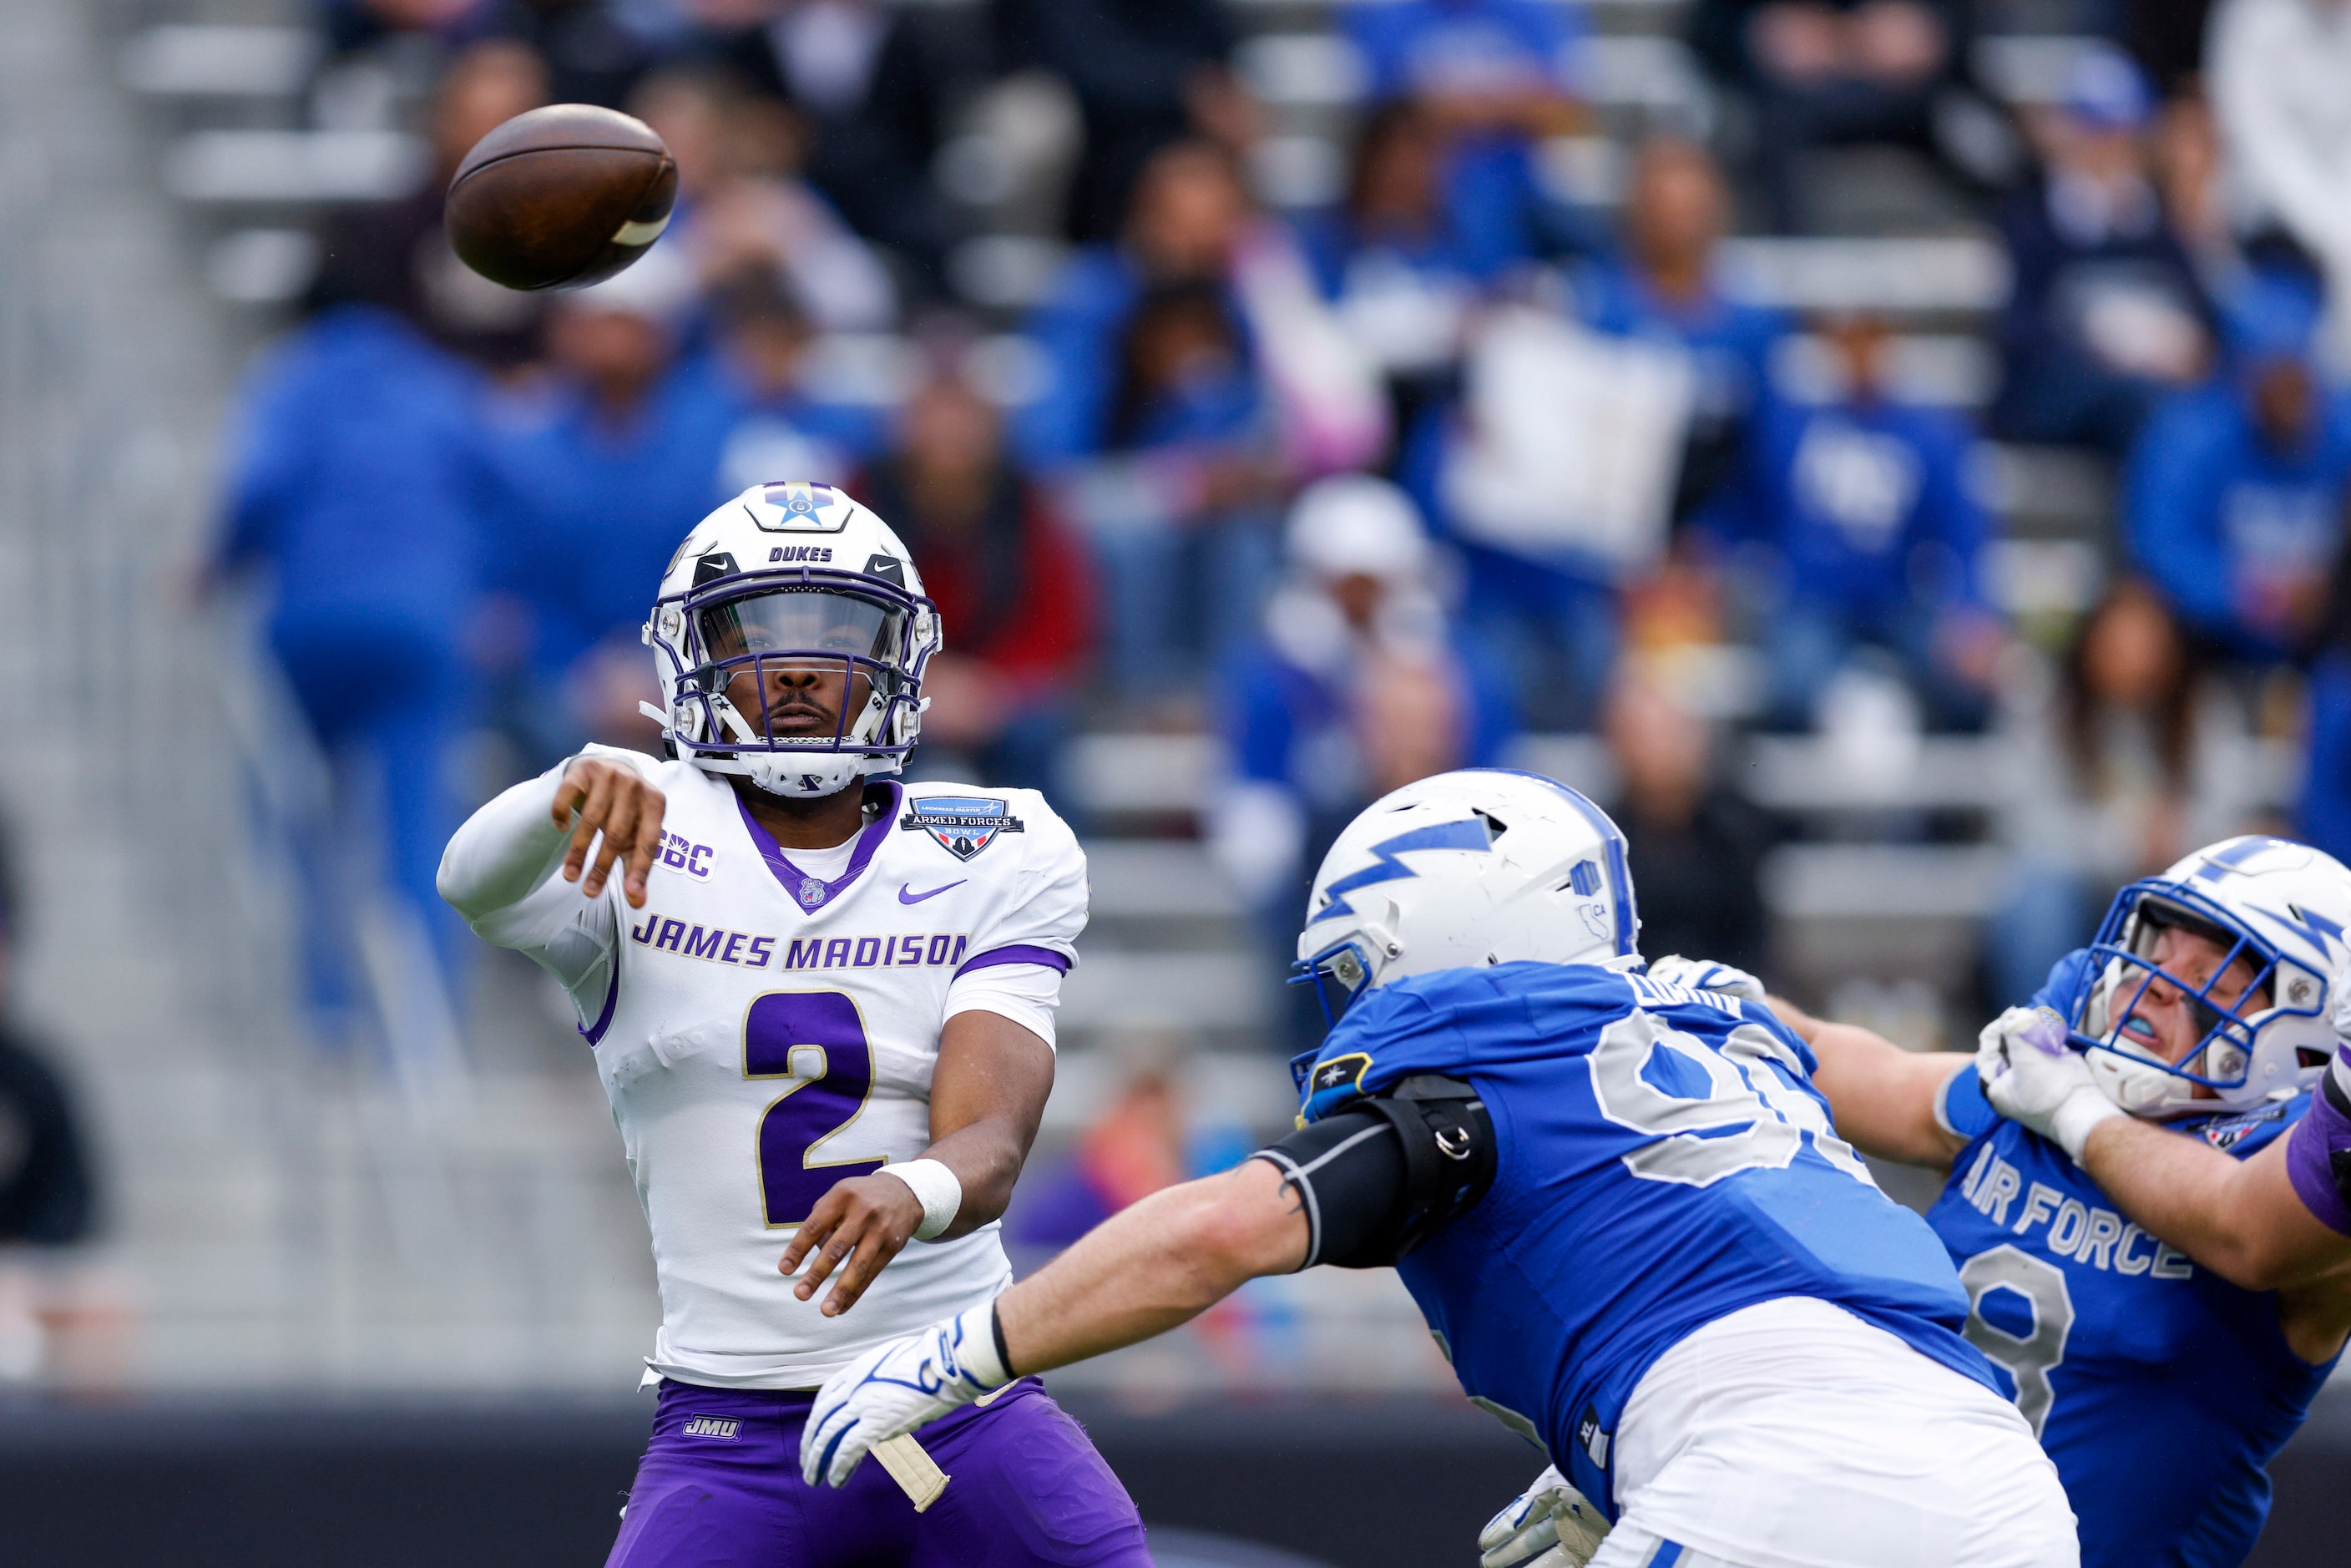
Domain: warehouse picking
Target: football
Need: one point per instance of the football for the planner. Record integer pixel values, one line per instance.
(560, 197)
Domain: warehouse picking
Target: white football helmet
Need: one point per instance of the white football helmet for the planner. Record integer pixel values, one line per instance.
(792, 575)
(1487, 866)
(2281, 906)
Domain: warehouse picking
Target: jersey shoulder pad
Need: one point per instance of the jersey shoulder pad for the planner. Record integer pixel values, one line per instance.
(2064, 983)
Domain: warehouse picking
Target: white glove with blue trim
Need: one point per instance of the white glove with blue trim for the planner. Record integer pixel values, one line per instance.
(898, 1386)
(1551, 1525)
(2033, 1075)
(1704, 975)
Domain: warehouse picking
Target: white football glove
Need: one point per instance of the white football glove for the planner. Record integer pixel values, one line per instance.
(896, 1387)
(1551, 1525)
(2033, 1075)
(1704, 975)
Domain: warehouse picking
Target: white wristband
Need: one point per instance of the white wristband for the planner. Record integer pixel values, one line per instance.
(2083, 1111)
(936, 1188)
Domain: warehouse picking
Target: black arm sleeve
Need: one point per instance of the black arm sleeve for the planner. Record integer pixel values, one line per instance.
(1378, 1178)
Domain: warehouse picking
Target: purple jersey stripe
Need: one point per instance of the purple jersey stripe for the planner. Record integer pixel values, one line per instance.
(1018, 952)
(2318, 1156)
(808, 893)
(594, 1032)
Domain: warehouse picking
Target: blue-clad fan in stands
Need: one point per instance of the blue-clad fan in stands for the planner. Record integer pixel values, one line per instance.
(788, 424)
(593, 473)
(1666, 287)
(1189, 214)
(354, 413)
(2107, 314)
(1356, 683)
(1498, 78)
(2233, 499)
(1392, 260)
(1866, 510)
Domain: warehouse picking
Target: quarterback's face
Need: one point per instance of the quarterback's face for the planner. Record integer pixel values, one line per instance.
(2168, 1022)
(787, 658)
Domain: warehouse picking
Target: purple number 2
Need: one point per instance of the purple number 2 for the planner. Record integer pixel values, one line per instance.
(801, 1118)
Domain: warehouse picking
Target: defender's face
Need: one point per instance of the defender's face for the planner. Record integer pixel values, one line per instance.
(787, 659)
(2167, 1021)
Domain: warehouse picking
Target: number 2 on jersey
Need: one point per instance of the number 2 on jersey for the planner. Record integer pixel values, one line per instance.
(804, 1116)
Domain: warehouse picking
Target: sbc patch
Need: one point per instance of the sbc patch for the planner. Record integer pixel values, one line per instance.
(962, 824)
(721, 1429)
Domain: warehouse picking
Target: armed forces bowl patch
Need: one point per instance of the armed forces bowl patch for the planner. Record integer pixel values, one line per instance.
(963, 824)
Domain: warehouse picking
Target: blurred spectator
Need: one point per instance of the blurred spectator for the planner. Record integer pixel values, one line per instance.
(1696, 847)
(358, 24)
(600, 474)
(1866, 511)
(1496, 77)
(1009, 582)
(2130, 762)
(873, 80)
(396, 255)
(1357, 684)
(2277, 71)
(1188, 221)
(1132, 1149)
(1666, 290)
(741, 201)
(2106, 314)
(1832, 72)
(1391, 260)
(355, 485)
(2166, 37)
(2323, 815)
(60, 1322)
(1147, 73)
(2233, 499)
(592, 52)
(787, 428)
(1176, 507)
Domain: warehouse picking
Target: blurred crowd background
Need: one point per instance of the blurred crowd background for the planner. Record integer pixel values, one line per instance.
(1894, 454)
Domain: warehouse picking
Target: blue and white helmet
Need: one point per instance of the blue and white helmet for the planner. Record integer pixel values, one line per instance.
(1481, 866)
(2281, 906)
(795, 574)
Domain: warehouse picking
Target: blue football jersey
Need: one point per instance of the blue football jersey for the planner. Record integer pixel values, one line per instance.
(2159, 1389)
(1662, 1160)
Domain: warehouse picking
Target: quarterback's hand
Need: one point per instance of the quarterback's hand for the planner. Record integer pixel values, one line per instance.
(2339, 990)
(2033, 1075)
(611, 798)
(896, 1387)
(1703, 974)
(1551, 1525)
(866, 1220)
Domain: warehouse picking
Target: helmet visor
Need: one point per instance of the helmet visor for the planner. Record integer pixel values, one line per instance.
(819, 624)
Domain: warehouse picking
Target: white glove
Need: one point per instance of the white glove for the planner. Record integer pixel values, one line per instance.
(2033, 1075)
(1703, 974)
(1550, 1526)
(2339, 991)
(896, 1387)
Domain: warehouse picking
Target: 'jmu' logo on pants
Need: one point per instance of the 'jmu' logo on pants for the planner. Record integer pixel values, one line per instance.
(724, 1429)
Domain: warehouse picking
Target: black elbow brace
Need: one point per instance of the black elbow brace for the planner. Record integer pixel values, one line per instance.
(1380, 1177)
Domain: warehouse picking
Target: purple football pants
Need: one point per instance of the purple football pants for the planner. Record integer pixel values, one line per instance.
(720, 1487)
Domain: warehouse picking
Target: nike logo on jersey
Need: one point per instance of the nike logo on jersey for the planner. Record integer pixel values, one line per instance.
(908, 896)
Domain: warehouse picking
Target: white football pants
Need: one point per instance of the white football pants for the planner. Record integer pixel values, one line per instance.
(1794, 1434)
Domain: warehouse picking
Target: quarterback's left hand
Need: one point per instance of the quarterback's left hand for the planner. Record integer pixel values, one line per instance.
(858, 1226)
(1551, 1525)
(896, 1387)
(2033, 1075)
(1704, 975)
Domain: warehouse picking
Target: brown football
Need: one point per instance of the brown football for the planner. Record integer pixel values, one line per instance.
(560, 197)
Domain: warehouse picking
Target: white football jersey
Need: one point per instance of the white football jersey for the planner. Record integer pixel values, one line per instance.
(764, 1030)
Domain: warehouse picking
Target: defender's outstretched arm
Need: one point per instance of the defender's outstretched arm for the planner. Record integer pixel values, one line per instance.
(1882, 1096)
